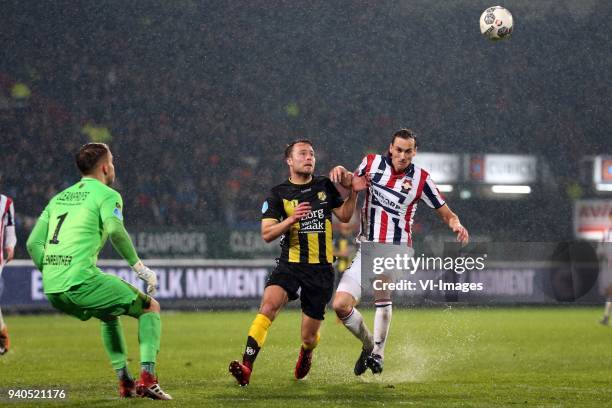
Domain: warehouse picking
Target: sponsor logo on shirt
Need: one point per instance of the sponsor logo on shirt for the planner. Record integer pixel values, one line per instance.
(73, 196)
(314, 221)
(380, 198)
(117, 211)
(57, 260)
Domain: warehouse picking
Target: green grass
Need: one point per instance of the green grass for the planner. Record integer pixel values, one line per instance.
(548, 357)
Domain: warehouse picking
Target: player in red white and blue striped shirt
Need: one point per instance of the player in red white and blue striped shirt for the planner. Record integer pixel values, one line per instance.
(392, 198)
(8, 240)
(394, 186)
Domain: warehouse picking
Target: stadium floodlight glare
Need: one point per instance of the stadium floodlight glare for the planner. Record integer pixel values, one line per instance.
(600, 187)
(445, 188)
(510, 189)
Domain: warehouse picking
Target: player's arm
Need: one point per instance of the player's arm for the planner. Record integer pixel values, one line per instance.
(357, 181)
(112, 221)
(347, 209)
(274, 221)
(361, 179)
(341, 176)
(10, 236)
(37, 239)
(432, 197)
(344, 210)
(361, 183)
(121, 240)
(272, 228)
(123, 245)
(452, 220)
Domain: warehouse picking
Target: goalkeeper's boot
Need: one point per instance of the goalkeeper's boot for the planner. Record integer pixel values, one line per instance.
(4, 340)
(605, 320)
(149, 387)
(375, 363)
(302, 367)
(362, 362)
(241, 372)
(127, 388)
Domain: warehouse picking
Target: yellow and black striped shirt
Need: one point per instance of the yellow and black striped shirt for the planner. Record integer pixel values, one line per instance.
(310, 239)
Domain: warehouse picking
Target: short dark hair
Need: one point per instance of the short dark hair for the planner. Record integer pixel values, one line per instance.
(89, 156)
(289, 147)
(405, 133)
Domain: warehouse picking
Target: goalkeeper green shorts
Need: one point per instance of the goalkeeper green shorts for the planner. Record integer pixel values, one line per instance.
(102, 296)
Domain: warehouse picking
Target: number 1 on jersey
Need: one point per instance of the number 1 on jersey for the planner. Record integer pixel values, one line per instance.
(61, 219)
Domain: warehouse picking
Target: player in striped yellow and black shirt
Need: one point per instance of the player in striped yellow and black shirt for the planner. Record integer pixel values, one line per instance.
(300, 212)
(308, 241)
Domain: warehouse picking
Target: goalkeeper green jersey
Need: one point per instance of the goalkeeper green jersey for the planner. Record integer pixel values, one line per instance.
(75, 233)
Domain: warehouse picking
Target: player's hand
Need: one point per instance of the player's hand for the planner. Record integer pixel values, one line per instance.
(10, 254)
(300, 211)
(146, 275)
(342, 176)
(462, 233)
(360, 183)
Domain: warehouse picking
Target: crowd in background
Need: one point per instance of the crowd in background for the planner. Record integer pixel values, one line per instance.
(198, 101)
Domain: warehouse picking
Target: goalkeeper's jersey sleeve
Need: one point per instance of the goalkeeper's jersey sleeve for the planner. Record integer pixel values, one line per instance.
(75, 233)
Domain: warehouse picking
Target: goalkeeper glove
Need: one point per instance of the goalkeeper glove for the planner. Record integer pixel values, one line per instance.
(146, 275)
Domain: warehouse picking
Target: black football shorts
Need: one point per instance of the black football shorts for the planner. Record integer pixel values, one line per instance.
(312, 284)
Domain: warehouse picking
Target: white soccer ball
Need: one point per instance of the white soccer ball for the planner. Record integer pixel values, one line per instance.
(496, 23)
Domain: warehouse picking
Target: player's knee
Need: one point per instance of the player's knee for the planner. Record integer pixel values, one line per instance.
(153, 306)
(342, 307)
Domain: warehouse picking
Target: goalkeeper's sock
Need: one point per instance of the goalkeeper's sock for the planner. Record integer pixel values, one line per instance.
(114, 343)
(382, 321)
(355, 324)
(148, 367)
(123, 374)
(149, 335)
(256, 339)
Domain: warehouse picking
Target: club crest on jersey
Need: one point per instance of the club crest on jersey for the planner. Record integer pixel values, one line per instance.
(321, 195)
(406, 186)
(117, 211)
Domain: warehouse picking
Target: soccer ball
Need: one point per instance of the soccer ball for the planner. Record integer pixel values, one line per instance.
(496, 23)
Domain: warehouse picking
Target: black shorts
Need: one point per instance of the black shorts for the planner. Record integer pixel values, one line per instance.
(315, 281)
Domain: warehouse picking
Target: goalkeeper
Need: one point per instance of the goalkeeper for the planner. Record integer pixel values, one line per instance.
(64, 246)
